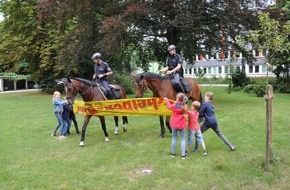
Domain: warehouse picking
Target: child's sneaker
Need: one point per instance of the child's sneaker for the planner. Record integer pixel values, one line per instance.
(62, 137)
(183, 157)
(205, 153)
(53, 134)
(233, 147)
(186, 153)
(172, 155)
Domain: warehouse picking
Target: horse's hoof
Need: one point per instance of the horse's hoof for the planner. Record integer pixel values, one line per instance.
(106, 139)
(124, 129)
(82, 144)
(116, 131)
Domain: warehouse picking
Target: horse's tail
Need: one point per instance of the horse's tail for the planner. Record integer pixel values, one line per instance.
(195, 94)
(200, 98)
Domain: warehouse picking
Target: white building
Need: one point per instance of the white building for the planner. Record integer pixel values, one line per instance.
(219, 67)
(216, 67)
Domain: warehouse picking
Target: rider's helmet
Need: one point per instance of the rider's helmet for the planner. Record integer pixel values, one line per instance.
(171, 47)
(96, 55)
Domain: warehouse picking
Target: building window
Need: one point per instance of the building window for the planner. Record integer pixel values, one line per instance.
(226, 69)
(257, 69)
(227, 55)
(209, 70)
(250, 69)
(256, 53)
(220, 70)
(264, 68)
(215, 56)
(264, 52)
(204, 71)
(190, 71)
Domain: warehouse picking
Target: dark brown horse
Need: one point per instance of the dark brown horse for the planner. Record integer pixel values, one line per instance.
(161, 87)
(90, 91)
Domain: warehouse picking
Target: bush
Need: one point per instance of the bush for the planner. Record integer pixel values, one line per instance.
(281, 87)
(50, 86)
(240, 79)
(272, 80)
(213, 80)
(259, 88)
(248, 88)
(237, 88)
(125, 80)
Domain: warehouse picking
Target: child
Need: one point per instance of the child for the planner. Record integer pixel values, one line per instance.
(207, 111)
(178, 123)
(65, 116)
(58, 109)
(72, 117)
(194, 128)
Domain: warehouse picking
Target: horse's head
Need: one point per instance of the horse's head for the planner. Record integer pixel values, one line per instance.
(140, 85)
(71, 90)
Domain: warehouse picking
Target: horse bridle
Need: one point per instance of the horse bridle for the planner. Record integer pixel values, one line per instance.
(143, 87)
(91, 86)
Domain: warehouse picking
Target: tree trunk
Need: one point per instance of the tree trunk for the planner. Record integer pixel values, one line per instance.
(173, 36)
(287, 78)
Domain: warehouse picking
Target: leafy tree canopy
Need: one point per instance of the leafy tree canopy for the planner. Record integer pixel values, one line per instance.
(57, 38)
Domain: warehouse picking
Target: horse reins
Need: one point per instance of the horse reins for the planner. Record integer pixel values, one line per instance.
(91, 86)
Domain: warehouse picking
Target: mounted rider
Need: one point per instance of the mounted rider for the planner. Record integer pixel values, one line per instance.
(174, 64)
(101, 72)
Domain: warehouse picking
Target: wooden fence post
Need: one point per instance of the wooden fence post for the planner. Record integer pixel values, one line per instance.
(269, 110)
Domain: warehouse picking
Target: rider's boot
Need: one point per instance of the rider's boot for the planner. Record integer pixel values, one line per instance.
(181, 88)
(110, 95)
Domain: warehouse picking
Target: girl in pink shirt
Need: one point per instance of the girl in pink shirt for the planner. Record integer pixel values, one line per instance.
(177, 123)
(194, 127)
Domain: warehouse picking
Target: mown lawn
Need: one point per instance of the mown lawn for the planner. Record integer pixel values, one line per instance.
(31, 159)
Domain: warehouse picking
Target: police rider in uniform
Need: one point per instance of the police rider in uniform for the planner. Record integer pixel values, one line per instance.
(101, 72)
(173, 66)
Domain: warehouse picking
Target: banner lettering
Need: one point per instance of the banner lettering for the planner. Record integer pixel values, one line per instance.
(123, 107)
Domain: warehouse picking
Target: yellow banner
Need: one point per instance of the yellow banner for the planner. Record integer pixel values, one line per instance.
(123, 107)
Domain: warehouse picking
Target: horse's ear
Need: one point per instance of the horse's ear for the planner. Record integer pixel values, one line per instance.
(133, 74)
(68, 79)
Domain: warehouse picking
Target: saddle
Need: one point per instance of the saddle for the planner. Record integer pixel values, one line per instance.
(114, 89)
(185, 84)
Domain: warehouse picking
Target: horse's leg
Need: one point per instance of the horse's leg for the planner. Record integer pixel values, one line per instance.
(103, 123)
(161, 126)
(167, 123)
(116, 119)
(76, 125)
(86, 121)
(125, 121)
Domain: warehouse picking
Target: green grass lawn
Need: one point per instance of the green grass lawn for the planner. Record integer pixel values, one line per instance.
(31, 159)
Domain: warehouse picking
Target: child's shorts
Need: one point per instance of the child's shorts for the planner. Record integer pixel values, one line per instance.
(192, 134)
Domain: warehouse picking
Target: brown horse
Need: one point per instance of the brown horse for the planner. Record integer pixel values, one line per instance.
(90, 91)
(161, 87)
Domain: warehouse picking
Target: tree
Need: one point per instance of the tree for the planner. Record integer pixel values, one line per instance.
(54, 38)
(57, 38)
(195, 27)
(18, 39)
(274, 36)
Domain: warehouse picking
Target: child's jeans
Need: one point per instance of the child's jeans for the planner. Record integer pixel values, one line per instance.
(182, 140)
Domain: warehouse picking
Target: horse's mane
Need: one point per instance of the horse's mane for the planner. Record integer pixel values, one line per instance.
(85, 81)
(148, 75)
